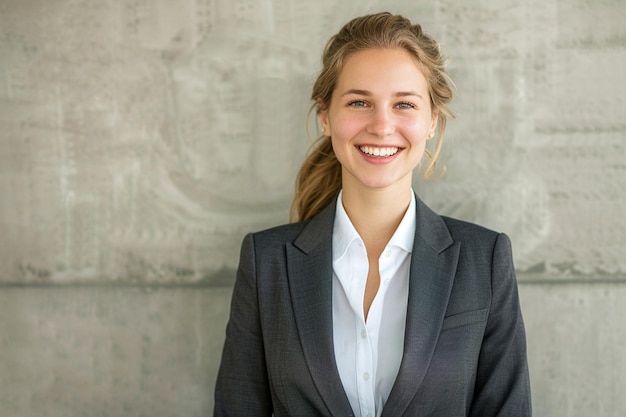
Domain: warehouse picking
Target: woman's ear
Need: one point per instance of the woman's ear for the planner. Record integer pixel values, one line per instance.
(322, 115)
(433, 122)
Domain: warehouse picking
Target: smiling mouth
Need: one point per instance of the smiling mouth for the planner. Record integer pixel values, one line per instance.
(380, 152)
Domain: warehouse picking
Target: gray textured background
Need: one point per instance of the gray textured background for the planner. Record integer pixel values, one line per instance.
(140, 140)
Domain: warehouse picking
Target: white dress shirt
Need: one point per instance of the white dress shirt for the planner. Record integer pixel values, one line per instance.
(368, 353)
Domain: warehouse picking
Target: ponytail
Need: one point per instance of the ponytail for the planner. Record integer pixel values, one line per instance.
(318, 181)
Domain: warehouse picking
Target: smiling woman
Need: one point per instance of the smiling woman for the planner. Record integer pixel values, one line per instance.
(372, 304)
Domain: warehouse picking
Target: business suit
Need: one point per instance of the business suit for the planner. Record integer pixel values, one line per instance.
(464, 349)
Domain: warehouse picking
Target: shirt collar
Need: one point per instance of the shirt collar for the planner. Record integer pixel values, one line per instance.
(344, 232)
(404, 235)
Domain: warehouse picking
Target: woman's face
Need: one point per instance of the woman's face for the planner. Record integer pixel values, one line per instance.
(379, 118)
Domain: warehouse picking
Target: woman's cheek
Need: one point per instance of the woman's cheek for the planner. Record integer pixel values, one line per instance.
(345, 128)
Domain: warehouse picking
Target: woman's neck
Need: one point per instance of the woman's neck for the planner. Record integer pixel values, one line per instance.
(376, 213)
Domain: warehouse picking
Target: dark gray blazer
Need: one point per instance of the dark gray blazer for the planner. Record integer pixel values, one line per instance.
(464, 347)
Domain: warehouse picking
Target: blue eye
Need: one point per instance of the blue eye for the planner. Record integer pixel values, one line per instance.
(357, 103)
(406, 105)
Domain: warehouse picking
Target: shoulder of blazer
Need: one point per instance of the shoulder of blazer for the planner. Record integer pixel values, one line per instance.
(304, 235)
(467, 232)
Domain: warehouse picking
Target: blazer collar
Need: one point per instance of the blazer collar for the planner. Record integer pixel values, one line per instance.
(433, 266)
(309, 263)
(310, 274)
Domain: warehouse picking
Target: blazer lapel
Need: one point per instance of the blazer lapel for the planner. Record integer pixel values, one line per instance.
(309, 265)
(433, 265)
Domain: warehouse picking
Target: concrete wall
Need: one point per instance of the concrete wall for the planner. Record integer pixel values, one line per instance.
(140, 140)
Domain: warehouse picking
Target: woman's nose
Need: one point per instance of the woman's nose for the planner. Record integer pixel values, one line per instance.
(381, 123)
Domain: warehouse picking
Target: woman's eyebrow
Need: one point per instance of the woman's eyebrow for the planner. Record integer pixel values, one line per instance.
(408, 93)
(357, 92)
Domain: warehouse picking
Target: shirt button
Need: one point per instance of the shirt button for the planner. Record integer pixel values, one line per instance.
(363, 333)
(366, 376)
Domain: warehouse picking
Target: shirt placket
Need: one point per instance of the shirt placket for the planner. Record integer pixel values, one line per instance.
(365, 371)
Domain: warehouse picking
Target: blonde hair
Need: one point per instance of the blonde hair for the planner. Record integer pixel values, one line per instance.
(319, 178)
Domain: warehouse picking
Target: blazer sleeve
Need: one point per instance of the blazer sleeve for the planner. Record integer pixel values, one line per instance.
(242, 387)
(502, 382)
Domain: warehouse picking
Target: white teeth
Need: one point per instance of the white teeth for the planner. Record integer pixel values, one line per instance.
(373, 151)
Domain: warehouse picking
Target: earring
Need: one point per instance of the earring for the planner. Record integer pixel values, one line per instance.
(431, 135)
